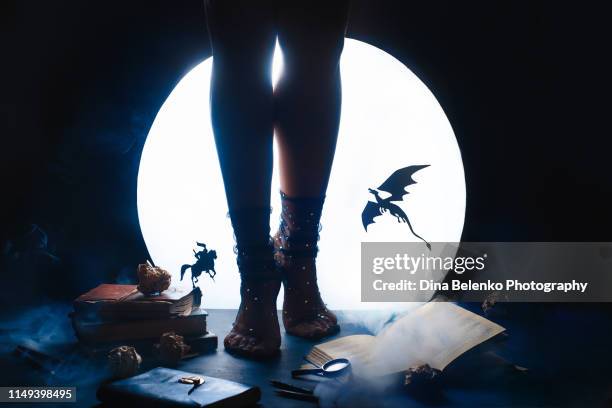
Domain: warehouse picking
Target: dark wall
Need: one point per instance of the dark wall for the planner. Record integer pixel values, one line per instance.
(521, 82)
(84, 80)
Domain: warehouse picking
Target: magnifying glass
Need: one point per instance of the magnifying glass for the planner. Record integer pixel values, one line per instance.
(332, 368)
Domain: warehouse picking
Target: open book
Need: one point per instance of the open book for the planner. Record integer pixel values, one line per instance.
(435, 334)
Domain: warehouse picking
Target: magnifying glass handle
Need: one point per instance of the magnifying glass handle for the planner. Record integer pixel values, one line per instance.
(306, 371)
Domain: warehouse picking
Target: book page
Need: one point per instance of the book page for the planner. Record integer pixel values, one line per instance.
(356, 348)
(434, 334)
(170, 295)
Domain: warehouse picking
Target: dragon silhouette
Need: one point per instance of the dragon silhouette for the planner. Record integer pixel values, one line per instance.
(396, 186)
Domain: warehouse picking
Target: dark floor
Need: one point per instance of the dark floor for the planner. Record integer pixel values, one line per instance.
(566, 348)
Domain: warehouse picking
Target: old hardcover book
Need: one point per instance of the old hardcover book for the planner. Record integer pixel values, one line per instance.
(89, 331)
(124, 302)
(162, 387)
(434, 334)
(199, 345)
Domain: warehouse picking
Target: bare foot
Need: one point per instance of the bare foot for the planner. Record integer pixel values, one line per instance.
(256, 332)
(304, 313)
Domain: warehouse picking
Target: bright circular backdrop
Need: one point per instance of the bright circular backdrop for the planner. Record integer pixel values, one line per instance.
(389, 120)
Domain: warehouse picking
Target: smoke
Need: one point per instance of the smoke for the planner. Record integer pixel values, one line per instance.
(361, 391)
(27, 260)
(46, 329)
(373, 321)
(126, 276)
(357, 393)
(426, 340)
(38, 327)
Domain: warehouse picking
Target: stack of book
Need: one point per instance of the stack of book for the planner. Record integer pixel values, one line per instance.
(112, 313)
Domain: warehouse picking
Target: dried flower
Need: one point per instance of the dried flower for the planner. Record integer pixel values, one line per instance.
(152, 279)
(420, 374)
(124, 361)
(171, 348)
(491, 301)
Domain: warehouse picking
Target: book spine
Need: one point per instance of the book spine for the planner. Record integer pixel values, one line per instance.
(138, 330)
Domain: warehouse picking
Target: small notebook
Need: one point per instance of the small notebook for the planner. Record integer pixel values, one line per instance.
(161, 387)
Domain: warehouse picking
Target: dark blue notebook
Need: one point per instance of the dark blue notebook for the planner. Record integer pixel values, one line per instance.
(161, 387)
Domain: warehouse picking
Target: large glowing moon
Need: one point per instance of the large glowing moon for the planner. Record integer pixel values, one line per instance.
(390, 120)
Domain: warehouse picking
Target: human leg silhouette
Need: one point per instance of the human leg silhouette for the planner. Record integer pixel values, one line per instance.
(307, 103)
(242, 38)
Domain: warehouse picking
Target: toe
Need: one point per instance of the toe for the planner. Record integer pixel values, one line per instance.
(318, 327)
(325, 326)
(229, 339)
(234, 343)
(247, 345)
(244, 343)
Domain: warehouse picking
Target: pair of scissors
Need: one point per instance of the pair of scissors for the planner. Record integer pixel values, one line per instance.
(294, 392)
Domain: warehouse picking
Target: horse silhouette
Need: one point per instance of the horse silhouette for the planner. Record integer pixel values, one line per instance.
(205, 262)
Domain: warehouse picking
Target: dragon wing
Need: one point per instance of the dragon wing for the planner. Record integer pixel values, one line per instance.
(370, 211)
(398, 181)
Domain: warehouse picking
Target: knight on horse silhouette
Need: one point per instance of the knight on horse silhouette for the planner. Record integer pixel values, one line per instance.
(205, 262)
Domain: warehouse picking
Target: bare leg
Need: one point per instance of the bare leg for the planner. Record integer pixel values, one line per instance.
(307, 102)
(242, 37)
(308, 96)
